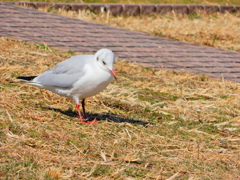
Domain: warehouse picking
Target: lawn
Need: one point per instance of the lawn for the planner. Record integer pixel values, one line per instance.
(154, 124)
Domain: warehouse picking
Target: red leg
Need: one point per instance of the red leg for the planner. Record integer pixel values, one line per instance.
(82, 117)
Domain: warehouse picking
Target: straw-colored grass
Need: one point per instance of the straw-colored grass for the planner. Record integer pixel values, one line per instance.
(154, 124)
(217, 30)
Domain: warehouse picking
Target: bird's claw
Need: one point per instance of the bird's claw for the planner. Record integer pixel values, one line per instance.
(88, 122)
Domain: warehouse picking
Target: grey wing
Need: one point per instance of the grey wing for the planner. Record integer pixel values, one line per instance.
(65, 74)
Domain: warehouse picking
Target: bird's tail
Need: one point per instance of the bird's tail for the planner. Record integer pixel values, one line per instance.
(26, 78)
(29, 80)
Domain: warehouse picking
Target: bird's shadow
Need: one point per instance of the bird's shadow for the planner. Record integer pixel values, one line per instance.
(100, 117)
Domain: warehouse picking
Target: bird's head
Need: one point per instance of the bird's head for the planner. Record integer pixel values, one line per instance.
(105, 60)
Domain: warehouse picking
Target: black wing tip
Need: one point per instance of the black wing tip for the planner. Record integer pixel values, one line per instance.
(27, 78)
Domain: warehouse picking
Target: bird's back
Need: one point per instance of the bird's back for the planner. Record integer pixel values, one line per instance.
(65, 74)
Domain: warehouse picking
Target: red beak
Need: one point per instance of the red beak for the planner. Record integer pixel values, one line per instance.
(113, 73)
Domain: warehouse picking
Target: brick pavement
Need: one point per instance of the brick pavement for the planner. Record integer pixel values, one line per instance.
(72, 34)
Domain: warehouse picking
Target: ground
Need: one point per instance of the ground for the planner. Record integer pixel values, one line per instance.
(154, 124)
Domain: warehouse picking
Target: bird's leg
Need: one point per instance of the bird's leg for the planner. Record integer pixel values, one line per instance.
(83, 107)
(82, 117)
(84, 114)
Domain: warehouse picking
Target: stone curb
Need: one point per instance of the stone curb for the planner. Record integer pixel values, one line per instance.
(134, 9)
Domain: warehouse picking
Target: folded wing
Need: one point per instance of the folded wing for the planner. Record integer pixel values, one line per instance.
(65, 74)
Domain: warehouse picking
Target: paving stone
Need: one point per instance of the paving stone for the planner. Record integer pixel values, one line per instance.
(163, 9)
(224, 9)
(211, 9)
(131, 10)
(42, 4)
(237, 9)
(66, 33)
(63, 6)
(115, 9)
(29, 4)
(180, 9)
(146, 9)
(195, 8)
(79, 7)
(97, 8)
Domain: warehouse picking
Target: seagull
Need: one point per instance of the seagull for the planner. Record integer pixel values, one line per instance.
(77, 78)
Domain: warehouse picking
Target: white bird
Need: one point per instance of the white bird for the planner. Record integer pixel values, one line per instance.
(78, 77)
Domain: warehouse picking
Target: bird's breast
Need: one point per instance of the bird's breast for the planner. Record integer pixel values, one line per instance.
(91, 84)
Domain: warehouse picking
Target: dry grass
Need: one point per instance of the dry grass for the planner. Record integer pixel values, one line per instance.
(154, 124)
(217, 30)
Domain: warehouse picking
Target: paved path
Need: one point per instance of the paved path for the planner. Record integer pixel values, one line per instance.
(72, 34)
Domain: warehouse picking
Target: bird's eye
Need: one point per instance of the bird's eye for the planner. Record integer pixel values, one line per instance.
(104, 63)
